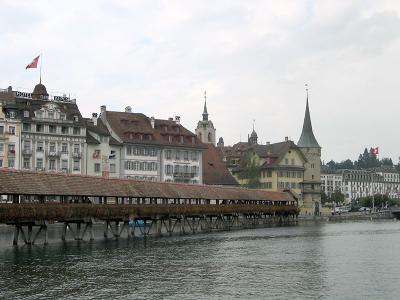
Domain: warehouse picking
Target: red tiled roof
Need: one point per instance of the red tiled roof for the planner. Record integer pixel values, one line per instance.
(37, 183)
(214, 169)
(136, 128)
(273, 152)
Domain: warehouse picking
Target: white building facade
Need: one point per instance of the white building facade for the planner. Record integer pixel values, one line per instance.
(52, 133)
(331, 183)
(154, 149)
(362, 183)
(10, 136)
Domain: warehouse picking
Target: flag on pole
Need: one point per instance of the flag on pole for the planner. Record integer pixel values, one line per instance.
(375, 151)
(34, 63)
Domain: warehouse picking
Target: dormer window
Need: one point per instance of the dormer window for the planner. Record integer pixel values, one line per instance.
(181, 139)
(39, 114)
(63, 116)
(26, 114)
(76, 118)
(12, 114)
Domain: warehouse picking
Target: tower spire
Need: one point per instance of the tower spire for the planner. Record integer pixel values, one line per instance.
(205, 113)
(307, 138)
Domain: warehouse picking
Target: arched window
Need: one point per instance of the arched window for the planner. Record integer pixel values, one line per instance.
(209, 136)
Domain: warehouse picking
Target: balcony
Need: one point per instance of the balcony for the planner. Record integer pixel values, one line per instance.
(58, 121)
(184, 175)
(54, 154)
(77, 155)
(27, 152)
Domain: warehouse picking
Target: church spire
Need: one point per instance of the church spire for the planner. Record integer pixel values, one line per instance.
(205, 113)
(307, 138)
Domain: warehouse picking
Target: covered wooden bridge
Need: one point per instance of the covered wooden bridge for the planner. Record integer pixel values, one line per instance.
(35, 199)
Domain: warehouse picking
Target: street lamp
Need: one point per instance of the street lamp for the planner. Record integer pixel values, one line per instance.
(373, 198)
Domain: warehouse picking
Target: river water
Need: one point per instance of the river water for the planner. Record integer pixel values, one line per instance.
(349, 260)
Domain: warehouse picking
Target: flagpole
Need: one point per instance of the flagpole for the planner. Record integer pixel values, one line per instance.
(41, 60)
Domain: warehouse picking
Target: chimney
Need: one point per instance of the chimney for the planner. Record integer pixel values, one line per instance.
(94, 119)
(170, 119)
(177, 119)
(9, 89)
(268, 143)
(102, 109)
(286, 138)
(152, 122)
(128, 109)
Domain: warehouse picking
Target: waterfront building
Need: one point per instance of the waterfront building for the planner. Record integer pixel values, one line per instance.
(10, 131)
(205, 130)
(331, 182)
(355, 184)
(391, 181)
(281, 164)
(155, 149)
(103, 152)
(215, 171)
(52, 131)
(311, 186)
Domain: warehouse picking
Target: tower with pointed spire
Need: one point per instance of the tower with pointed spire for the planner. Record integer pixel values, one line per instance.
(205, 128)
(311, 188)
(253, 137)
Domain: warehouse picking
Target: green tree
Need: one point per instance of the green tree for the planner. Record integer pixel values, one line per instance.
(324, 198)
(250, 170)
(337, 197)
(346, 164)
(331, 165)
(387, 162)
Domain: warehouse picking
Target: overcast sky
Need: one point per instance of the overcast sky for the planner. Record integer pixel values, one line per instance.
(252, 57)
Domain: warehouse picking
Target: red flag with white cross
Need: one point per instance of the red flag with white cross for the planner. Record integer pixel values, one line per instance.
(34, 63)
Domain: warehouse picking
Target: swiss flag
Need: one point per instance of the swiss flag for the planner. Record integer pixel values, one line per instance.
(34, 63)
(375, 151)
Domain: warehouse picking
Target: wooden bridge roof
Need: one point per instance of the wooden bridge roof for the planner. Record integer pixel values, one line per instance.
(59, 184)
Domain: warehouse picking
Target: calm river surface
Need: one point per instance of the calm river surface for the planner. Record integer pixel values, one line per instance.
(353, 260)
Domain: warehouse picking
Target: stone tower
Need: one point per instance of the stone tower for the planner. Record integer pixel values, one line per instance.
(312, 173)
(253, 137)
(205, 130)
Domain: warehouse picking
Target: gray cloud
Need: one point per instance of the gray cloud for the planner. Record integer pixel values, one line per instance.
(252, 57)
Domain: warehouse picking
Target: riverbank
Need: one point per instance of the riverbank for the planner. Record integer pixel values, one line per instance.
(351, 216)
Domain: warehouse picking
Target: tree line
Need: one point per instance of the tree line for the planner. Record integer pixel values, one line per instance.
(366, 160)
